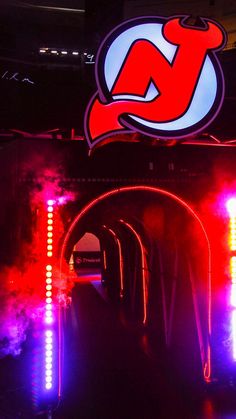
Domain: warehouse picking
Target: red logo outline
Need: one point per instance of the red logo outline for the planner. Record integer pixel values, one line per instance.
(104, 98)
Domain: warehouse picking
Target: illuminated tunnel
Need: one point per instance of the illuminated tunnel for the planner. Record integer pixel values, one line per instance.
(156, 259)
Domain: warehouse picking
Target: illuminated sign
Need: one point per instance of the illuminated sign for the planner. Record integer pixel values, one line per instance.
(159, 76)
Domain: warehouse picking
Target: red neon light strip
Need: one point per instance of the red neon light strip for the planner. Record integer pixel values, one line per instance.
(207, 366)
(104, 259)
(143, 266)
(121, 265)
(197, 313)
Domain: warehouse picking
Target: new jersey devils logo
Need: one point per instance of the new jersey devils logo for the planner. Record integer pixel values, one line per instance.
(158, 76)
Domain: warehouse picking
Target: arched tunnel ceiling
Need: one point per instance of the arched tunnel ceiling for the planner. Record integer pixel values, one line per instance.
(175, 245)
(156, 216)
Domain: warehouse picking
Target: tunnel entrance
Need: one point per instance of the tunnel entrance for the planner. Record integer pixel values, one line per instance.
(85, 260)
(155, 260)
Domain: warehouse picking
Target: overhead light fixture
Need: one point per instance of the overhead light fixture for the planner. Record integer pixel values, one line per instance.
(51, 8)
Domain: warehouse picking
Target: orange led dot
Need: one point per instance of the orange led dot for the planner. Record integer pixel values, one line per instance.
(49, 247)
(50, 228)
(49, 293)
(48, 281)
(49, 267)
(48, 274)
(48, 287)
(50, 215)
(49, 241)
(49, 254)
(50, 234)
(50, 221)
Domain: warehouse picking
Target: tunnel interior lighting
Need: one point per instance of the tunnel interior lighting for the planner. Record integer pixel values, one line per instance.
(205, 354)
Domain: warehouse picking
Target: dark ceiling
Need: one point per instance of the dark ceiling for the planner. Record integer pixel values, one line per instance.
(40, 93)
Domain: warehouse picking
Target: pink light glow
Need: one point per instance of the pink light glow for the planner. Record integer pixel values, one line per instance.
(50, 202)
(62, 200)
(231, 206)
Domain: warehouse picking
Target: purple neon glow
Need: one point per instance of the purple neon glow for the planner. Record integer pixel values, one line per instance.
(48, 359)
(233, 295)
(234, 333)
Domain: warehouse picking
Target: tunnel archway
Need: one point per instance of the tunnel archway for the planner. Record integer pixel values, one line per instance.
(203, 325)
(85, 259)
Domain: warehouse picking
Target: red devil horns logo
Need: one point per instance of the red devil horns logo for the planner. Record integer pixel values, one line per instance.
(157, 76)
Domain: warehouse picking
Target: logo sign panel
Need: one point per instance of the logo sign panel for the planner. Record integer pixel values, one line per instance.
(158, 76)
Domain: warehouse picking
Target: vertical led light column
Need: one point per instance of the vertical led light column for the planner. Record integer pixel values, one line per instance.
(231, 207)
(49, 319)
